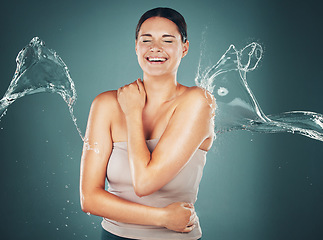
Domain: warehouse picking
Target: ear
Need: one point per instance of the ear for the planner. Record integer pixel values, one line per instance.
(186, 46)
(136, 47)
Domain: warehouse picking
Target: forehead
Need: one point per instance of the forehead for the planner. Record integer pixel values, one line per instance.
(159, 25)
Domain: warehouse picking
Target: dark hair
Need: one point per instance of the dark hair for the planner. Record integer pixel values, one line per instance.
(168, 13)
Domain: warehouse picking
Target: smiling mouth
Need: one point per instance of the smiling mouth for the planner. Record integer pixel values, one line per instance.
(156, 59)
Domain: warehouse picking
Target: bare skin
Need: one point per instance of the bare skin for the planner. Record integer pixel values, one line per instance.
(157, 107)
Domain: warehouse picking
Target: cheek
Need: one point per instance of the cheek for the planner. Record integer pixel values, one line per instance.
(177, 52)
(142, 49)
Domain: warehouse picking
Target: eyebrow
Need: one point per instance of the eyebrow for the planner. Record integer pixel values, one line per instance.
(168, 35)
(149, 35)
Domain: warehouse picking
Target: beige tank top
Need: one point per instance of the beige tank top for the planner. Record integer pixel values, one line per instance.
(182, 188)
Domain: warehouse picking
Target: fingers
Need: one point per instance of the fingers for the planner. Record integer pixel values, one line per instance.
(191, 225)
(188, 205)
(193, 217)
(132, 97)
(118, 92)
(141, 86)
(182, 217)
(138, 84)
(193, 220)
(188, 229)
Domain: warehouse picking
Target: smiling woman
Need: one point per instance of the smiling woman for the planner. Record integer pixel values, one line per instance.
(160, 53)
(152, 150)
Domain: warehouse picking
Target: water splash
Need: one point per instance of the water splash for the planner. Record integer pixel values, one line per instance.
(238, 108)
(40, 69)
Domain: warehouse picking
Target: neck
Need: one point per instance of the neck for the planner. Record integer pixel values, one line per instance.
(160, 89)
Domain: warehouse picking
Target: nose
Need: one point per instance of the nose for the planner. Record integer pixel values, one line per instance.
(155, 47)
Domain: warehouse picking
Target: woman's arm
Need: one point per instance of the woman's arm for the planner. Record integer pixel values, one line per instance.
(97, 201)
(190, 124)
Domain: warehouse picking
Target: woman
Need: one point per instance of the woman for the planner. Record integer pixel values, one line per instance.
(152, 137)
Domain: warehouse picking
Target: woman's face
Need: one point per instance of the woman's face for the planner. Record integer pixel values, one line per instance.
(159, 47)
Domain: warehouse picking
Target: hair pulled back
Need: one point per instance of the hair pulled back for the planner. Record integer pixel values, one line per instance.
(168, 13)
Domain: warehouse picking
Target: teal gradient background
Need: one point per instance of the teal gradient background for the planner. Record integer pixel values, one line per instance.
(255, 186)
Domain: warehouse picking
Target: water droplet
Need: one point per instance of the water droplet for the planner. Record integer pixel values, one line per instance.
(222, 91)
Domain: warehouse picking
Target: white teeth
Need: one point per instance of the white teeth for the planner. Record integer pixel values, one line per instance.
(155, 59)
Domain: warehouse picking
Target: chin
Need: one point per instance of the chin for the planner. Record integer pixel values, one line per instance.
(156, 73)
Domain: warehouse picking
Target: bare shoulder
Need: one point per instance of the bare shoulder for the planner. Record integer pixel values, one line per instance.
(106, 97)
(103, 105)
(106, 101)
(199, 97)
(197, 106)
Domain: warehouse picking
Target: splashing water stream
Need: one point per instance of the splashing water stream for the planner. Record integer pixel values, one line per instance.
(237, 106)
(40, 69)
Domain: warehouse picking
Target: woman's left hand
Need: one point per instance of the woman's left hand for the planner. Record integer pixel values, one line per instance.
(132, 97)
